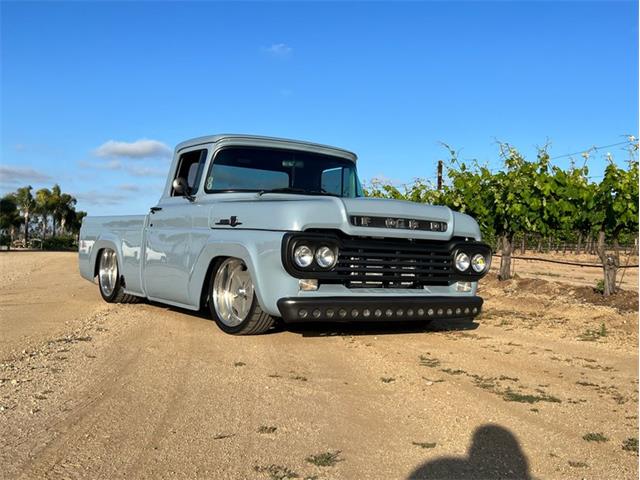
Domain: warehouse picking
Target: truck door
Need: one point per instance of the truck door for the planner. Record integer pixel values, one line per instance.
(168, 235)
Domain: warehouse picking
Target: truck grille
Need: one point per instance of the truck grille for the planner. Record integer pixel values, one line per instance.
(391, 263)
(365, 262)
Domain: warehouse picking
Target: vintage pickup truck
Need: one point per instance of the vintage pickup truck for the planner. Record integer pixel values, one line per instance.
(258, 229)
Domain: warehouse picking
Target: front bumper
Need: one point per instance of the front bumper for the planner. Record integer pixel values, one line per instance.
(365, 309)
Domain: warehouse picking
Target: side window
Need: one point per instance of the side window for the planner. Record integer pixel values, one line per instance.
(190, 168)
(350, 183)
(331, 180)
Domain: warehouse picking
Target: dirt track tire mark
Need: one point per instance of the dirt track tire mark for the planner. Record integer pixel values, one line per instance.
(52, 445)
(172, 404)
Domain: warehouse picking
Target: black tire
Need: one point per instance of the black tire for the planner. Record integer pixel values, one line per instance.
(117, 295)
(256, 321)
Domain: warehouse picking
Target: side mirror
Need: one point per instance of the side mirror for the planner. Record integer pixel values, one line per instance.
(180, 186)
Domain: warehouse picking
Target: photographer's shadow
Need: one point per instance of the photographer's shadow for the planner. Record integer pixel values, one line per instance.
(494, 454)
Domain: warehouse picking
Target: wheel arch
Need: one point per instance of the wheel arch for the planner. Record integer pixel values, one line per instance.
(208, 279)
(100, 245)
(210, 257)
(261, 251)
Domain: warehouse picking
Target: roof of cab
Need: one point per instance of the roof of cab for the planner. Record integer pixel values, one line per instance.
(261, 141)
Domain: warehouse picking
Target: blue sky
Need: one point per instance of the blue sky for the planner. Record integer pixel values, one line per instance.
(386, 80)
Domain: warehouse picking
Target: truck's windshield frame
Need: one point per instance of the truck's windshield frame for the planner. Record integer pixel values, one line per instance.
(274, 170)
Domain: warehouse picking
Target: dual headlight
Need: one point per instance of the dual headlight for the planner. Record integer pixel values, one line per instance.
(478, 262)
(324, 256)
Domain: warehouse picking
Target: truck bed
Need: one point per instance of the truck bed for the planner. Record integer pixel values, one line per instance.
(123, 231)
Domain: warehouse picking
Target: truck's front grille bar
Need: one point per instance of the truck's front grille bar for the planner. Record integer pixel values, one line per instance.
(366, 262)
(371, 263)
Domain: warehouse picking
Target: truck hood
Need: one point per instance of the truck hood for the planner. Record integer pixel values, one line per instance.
(286, 212)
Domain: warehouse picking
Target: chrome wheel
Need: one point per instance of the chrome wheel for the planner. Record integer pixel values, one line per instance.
(108, 272)
(232, 292)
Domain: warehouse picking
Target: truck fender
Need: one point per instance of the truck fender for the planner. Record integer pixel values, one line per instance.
(225, 248)
(107, 240)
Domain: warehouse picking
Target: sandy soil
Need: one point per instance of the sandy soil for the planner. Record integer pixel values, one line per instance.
(92, 390)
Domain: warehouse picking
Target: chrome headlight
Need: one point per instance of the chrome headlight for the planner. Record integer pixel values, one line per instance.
(479, 263)
(326, 257)
(462, 261)
(303, 256)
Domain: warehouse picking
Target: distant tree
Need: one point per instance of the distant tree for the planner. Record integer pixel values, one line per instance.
(44, 208)
(64, 205)
(532, 197)
(73, 220)
(10, 218)
(54, 206)
(614, 211)
(569, 202)
(506, 203)
(26, 204)
(469, 190)
(380, 189)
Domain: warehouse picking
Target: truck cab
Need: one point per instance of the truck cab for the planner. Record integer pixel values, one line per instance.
(257, 229)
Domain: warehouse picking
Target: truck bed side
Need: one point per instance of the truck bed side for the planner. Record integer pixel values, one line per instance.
(124, 234)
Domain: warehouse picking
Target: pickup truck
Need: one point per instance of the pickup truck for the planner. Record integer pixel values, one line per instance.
(258, 229)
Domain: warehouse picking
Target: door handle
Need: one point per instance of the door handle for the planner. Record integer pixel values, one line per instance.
(155, 209)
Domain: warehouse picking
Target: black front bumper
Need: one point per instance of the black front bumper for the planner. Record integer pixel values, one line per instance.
(366, 309)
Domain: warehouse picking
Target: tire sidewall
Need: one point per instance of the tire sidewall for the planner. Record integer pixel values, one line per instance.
(223, 326)
(116, 289)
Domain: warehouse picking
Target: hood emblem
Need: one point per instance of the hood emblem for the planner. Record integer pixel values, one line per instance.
(399, 223)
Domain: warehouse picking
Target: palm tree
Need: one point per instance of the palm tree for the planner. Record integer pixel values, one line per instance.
(54, 206)
(65, 203)
(9, 216)
(44, 207)
(73, 220)
(26, 204)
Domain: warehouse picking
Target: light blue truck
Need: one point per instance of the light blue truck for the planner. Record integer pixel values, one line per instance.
(258, 229)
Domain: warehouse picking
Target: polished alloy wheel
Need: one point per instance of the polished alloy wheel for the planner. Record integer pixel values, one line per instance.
(108, 272)
(232, 292)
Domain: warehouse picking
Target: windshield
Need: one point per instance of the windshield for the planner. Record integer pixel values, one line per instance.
(285, 171)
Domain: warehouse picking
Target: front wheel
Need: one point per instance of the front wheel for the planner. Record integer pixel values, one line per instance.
(233, 301)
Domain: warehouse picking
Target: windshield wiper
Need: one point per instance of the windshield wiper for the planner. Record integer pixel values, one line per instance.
(301, 191)
(282, 190)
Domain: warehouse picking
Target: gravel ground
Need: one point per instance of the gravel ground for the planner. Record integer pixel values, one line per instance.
(542, 385)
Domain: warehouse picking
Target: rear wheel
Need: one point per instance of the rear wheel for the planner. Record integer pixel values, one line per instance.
(109, 279)
(233, 301)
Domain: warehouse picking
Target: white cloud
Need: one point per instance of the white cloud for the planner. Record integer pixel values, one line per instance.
(128, 187)
(138, 171)
(143, 148)
(12, 175)
(94, 197)
(279, 50)
(110, 165)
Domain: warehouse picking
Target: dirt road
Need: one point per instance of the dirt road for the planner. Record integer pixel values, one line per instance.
(543, 385)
